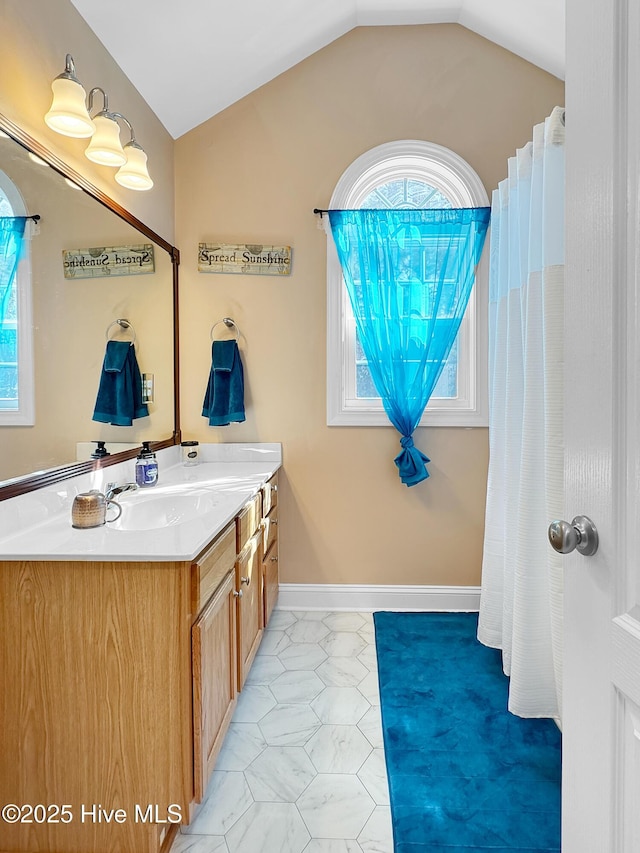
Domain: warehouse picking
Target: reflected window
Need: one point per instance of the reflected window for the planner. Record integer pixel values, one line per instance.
(16, 349)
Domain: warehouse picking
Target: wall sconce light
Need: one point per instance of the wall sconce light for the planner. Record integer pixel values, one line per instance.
(70, 116)
(133, 173)
(68, 113)
(105, 147)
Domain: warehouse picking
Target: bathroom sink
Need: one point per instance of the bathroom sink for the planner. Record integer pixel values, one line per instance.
(155, 511)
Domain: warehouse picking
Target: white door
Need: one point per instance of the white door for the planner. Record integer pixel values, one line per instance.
(601, 782)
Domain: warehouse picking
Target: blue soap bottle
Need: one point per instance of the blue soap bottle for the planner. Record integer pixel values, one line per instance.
(146, 466)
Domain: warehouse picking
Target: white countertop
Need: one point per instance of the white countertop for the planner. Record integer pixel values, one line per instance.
(173, 520)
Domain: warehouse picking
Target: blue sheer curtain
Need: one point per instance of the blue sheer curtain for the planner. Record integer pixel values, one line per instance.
(11, 239)
(409, 274)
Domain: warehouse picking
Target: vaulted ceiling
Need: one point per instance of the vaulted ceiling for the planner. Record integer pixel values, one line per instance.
(193, 58)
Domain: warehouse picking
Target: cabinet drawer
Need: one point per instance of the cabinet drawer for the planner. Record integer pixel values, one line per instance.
(269, 530)
(210, 569)
(247, 522)
(270, 494)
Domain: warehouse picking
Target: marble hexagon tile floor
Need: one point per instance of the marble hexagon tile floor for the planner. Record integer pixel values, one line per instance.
(302, 767)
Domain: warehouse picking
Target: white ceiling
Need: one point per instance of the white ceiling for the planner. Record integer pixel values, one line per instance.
(191, 59)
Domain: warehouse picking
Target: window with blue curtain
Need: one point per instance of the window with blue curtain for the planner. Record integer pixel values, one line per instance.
(11, 240)
(409, 274)
(406, 193)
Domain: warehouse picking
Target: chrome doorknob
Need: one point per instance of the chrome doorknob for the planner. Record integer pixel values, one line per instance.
(581, 535)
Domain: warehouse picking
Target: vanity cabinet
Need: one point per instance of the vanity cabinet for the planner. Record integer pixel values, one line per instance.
(96, 703)
(270, 546)
(119, 680)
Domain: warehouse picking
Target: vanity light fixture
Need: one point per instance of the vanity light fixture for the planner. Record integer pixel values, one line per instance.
(68, 112)
(134, 174)
(69, 115)
(105, 147)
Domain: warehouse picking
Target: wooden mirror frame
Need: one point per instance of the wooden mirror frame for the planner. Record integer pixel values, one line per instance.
(40, 479)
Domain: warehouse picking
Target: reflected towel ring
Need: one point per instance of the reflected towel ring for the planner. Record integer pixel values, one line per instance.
(124, 324)
(229, 323)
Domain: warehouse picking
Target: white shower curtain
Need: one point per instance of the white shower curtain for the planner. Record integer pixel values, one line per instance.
(521, 598)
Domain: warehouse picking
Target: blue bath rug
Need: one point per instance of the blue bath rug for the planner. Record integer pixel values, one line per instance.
(464, 774)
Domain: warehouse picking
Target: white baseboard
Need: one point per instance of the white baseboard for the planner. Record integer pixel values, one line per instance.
(369, 597)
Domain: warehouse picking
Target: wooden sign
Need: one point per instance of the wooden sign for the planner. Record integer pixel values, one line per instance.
(105, 261)
(244, 258)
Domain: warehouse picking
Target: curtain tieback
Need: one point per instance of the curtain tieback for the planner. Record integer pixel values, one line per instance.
(411, 462)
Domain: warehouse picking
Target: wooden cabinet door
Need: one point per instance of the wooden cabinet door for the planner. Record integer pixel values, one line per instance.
(270, 561)
(214, 679)
(250, 617)
(270, 582)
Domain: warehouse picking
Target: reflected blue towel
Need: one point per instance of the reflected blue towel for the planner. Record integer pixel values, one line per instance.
(119, 398)
(224, 397)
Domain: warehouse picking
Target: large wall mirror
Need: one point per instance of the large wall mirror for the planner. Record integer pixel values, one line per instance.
(74, 315)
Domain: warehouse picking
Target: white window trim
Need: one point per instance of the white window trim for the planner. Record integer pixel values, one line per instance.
(25, 414)
(445, 170)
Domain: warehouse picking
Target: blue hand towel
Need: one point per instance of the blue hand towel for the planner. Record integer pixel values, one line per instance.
(224, 397)
(119, 398)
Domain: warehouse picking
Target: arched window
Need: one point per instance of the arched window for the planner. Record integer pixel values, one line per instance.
(406, 174)
(16, 328)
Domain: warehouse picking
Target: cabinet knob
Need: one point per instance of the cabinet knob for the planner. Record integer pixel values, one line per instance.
(274, 521)
(237, 593)
(245, 580)
(274, 488)
(274, 559)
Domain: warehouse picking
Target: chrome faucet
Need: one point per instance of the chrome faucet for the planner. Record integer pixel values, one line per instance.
(114, 489)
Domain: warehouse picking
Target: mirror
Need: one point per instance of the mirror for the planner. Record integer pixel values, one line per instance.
(74, 312)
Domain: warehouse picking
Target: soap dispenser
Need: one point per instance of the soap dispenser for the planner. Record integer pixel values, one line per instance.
(101, 451)
(146, 466)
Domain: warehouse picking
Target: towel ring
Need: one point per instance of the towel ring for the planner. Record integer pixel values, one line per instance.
(124, 324)
(229, 323)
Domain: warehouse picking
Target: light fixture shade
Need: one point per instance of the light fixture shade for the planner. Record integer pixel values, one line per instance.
(134, 175)
(68, 112)
(105, 146)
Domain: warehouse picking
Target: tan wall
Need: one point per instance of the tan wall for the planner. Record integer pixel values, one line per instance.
(34, 39)
(254, 173)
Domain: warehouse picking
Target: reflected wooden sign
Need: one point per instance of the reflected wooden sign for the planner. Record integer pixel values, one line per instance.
(105, 261)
